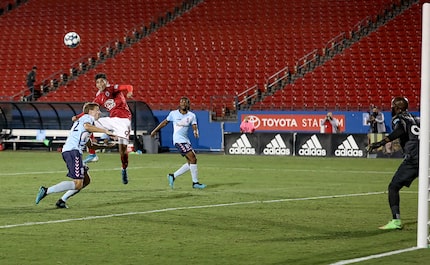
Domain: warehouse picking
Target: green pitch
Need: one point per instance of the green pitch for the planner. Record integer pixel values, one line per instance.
(255, 210)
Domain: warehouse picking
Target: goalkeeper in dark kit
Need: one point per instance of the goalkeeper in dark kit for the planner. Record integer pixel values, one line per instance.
(406, 128)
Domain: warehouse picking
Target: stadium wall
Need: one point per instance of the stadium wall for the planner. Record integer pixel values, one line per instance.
(211, 133)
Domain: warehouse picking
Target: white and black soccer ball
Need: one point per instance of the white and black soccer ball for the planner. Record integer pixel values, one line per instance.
(72, 39)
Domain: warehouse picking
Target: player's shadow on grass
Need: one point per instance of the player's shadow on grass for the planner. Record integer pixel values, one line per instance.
(327, 236)
(145, 198)
(410, 223)
(304, 233)
(114, 191)
(212, 186)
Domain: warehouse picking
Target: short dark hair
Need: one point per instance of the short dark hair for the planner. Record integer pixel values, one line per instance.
(400, 102)
(34, 68)
(100, 75)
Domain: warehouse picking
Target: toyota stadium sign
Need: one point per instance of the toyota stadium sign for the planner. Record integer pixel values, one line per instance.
(291, 122)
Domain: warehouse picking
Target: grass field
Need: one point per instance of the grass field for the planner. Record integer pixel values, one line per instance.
(255, 210)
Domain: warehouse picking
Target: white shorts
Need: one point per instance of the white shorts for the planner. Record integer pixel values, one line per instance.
(120, 126)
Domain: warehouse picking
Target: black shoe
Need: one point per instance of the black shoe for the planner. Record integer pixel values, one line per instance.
(61, 204)
(124, 176)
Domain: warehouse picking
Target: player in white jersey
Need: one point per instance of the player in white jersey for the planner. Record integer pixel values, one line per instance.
(182, 120)
(72, 151)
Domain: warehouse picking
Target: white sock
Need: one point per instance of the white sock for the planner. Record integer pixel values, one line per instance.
(185, 167)
(194, 173)
(69, 194)
(62, 186)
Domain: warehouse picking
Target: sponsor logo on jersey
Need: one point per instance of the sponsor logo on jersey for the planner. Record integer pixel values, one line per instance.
(312, 147)
(242, 146)
(276, 147)
(349, 147)
(109, 104)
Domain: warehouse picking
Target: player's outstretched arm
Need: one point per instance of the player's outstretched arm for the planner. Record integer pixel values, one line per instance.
(195, 131)
(161, 125)
(75, 118)
(128, 88)
(95, 146)
(376, 145)
(93, 129)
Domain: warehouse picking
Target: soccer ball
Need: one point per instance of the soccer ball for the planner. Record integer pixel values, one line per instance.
(72, 39)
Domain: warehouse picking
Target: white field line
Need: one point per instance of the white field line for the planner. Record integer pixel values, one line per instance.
(343, 262)
(186, 208)
(376, 256)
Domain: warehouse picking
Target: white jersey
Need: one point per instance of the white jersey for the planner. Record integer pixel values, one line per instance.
(78, 136)
(181, 123)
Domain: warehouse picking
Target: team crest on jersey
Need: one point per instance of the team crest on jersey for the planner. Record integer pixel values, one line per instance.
(184, 121)
(107, 94)
(109, 104)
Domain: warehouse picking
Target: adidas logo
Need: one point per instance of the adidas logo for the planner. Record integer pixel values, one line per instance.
(312, 147)
(277, 147)
(349, 147)
(242, 146)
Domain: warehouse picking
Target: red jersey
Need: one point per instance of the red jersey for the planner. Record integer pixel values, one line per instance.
(114, 101)
(328, 126)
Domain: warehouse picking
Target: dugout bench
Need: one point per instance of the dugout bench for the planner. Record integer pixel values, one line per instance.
(50, 139)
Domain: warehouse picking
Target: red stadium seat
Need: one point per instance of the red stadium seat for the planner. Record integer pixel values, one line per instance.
(235, 45)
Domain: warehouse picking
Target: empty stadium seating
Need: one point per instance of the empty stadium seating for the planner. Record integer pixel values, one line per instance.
(32, 34)
(220, 48)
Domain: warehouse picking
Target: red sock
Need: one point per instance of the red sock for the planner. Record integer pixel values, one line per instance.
(124, 160)
(92, 151)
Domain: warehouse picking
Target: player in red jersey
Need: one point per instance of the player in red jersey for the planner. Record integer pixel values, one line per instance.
(112, 98)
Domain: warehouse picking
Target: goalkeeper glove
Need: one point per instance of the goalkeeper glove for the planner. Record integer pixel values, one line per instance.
(376, 145)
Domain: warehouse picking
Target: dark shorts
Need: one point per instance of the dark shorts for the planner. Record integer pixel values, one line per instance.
(184, 148)
(406, 173)
(74, 164)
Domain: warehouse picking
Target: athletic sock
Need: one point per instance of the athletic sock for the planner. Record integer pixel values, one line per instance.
(62, 186)
(92, 151)
(124, 160)
(69, 194)
(194, 173)
(185, 167)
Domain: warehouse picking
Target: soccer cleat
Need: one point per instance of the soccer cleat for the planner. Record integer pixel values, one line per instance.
(91, 158)
(41, 194)
(124, 176)
(392, 225)
(197, 185)
(61, 204)
(171, 179)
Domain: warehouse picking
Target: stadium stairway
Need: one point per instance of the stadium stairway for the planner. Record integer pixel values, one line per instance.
(224, 56)
(32, 35)
(369, 70)
(222, 49)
